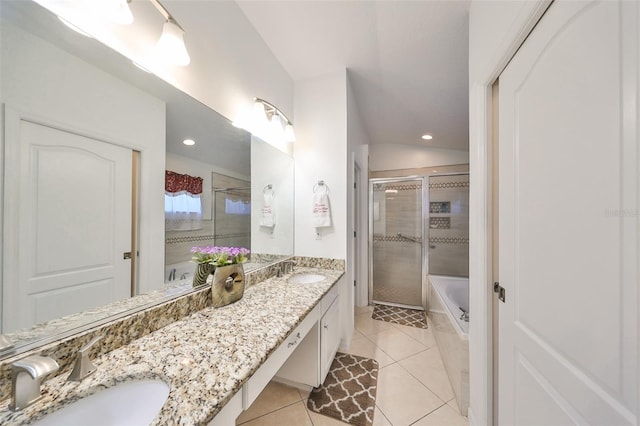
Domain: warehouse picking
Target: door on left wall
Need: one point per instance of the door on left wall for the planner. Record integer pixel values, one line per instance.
(69, 231)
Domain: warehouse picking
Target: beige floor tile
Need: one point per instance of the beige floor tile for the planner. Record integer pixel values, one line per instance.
(273, 397)
(379, 419)
(402, 398)
(366, 348)
(321, 420)
(453, 403)
(396, 344)
(422, 335)
(363, 310)
(443, 416)
(367, 325)
(357, 335)
(304, 394)
(294, 414)
(427, 367)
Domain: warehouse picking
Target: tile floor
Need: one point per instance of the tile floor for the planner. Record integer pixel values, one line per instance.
(413, 387)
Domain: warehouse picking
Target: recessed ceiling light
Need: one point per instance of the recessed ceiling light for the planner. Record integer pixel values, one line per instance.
(427, 137)
(189, 142)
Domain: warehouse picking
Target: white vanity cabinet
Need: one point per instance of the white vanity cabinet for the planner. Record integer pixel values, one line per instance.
(308, 366)
(302, 360)
(329, 337)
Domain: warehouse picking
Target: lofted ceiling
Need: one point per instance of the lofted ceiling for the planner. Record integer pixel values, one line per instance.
(407, 60)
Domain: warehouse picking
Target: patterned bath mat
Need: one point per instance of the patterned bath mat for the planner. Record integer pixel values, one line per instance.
(402, 316)
(349, 391)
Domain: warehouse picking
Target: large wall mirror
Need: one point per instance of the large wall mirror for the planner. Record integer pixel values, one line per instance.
(87, 138)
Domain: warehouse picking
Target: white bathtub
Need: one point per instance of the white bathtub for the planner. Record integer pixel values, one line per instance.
(454, 292)
(446, 296)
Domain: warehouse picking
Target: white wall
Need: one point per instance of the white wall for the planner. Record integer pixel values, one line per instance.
(270, 166)
(320, 153)
(230, 62)
(399, 156)
(496, 29)
(358, 147)
(78, 96)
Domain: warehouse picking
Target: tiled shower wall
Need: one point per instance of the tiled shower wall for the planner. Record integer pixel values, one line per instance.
(449, 225)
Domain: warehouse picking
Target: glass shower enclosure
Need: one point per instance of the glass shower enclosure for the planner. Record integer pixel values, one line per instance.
(396, 228)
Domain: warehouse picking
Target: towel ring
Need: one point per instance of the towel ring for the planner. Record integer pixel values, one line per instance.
(320, 184)
(267, 188)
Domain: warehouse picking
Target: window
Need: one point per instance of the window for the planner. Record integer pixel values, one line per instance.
(182, 202)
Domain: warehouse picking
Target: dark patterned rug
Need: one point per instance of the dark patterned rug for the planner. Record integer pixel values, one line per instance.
(349, 391)
(402, 316)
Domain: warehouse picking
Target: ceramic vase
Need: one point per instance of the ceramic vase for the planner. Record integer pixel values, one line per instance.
(203, 270)
(228, 284)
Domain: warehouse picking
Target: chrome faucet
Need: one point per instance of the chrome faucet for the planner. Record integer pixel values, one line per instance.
(287, 266)
(83, 366)
(27, 375)
(172, 274)
(465, 314)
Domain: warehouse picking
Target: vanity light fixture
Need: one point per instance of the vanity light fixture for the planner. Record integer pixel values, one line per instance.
(268, 121)
(427, 137)
(189, 142)
(170, 46)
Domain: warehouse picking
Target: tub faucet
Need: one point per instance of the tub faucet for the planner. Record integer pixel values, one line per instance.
(172, 274)
(27, 375)
(465, 314)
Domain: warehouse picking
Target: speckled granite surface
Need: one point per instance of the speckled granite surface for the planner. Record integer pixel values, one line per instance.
(205, 357)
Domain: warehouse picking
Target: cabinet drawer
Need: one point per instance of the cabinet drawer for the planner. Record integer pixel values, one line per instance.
(268, 370)
(328, 299)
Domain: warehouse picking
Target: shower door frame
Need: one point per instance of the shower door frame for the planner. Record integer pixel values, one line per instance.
(423, 276)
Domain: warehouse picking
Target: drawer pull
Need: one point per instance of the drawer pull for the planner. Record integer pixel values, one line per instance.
(295, 342)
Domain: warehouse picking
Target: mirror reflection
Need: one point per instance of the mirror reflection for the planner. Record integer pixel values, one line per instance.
(84, 176)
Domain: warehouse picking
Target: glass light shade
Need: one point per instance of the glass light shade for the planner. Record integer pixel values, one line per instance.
(122, 14)
(276, 132)
(259, 121)
(289, 136)
(171, 46)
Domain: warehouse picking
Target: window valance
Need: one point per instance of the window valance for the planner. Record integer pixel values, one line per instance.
(176, 182)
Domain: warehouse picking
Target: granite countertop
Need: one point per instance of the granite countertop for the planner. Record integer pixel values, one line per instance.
(205, 357)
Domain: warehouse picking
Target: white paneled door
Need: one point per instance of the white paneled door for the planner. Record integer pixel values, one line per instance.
(68, 223)
(568, 155)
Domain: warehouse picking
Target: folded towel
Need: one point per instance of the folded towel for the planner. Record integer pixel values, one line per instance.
(268, 216)
(321, 208)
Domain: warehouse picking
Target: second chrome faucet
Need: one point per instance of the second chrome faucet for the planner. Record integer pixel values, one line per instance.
(83, 366)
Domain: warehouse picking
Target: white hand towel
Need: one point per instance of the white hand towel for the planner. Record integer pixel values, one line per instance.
(321, 209)
(268, 216)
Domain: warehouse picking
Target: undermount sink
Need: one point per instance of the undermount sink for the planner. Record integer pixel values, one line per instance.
(131, 403)
(306, 278)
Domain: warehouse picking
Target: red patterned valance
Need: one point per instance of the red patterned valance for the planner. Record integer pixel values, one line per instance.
(175, 182)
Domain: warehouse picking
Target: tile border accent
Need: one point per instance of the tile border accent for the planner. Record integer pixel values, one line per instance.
(448, 185)
(449, 240)
(395, 239)
(206, 237)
